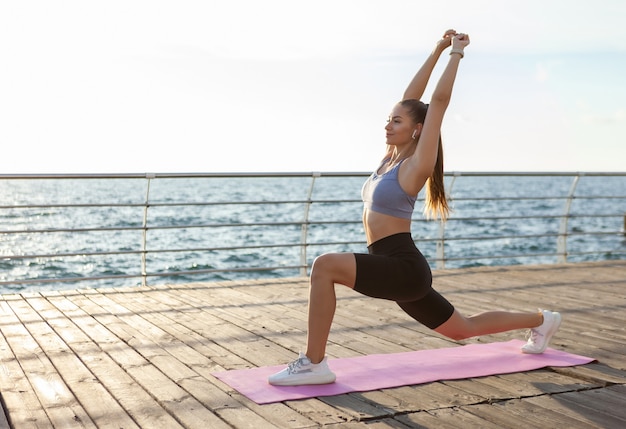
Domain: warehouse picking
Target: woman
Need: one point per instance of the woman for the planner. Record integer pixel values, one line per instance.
(394, 268)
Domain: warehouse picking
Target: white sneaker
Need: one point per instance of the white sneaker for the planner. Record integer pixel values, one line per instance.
(301, 371)
(540, 336)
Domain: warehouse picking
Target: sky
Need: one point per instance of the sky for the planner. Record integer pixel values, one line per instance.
(291, 86)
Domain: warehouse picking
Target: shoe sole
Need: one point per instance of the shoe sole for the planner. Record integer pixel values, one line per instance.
(302, 382)
(548, 336)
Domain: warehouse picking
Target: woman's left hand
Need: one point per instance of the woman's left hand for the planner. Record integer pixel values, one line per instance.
(460, 41)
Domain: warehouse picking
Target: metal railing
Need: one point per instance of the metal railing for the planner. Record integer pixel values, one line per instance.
(545, 221)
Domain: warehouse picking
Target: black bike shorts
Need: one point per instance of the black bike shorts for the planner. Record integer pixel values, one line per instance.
(396, 270)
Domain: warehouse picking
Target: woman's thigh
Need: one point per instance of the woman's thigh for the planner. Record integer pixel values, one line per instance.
(406, 278)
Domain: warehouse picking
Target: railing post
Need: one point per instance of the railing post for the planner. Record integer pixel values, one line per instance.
(441, 253)
(441, 256)
(304, 230)
(561, 243)
(144, 235)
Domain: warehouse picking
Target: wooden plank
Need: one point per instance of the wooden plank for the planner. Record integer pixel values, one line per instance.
(423, 397)
(278, 415)
(242, 418)
(532, 415)
(446, 418)
(445, 396)
(518, 385)
(4, 422)
(353, 408)
(475, 386)
(607, 405)
(377, 424)
(573, 415)
(595, 372)
(499, 414)
(317, 411)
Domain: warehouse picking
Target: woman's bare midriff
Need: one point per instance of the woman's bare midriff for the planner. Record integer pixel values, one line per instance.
(378, 226)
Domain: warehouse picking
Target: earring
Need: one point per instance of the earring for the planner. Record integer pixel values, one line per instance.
(413, 136)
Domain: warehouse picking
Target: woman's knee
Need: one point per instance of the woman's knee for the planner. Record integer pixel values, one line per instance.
(336, 267)
(322, 265)
(457, 327)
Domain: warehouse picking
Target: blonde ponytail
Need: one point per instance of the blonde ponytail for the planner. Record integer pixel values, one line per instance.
(436, 204)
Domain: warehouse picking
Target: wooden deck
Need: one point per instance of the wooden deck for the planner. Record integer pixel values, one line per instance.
(142, 356)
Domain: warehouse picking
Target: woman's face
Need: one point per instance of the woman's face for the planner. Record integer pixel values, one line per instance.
(400, 127)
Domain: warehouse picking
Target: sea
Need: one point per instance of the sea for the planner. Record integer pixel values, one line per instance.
(56, 230)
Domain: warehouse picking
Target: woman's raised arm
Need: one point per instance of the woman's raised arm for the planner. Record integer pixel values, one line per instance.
(420, 80)
(423, 160)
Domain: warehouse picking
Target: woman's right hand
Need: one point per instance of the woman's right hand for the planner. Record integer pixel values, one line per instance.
(446, 40)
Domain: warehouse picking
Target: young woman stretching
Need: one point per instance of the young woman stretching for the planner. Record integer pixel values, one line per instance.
(394, 268)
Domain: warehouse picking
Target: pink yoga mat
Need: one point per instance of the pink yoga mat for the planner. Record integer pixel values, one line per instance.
(373, 372)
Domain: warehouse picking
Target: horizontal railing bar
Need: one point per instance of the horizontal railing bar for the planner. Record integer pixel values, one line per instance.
(222, 270)
(295, 174)
(180, 204)
(292, 223)
(354, 200)
(63, 206)
(135, 252)
(514, 255)
(526, 255)
(190, 250)
(260, 246)
(70, 279)
(225, 225)
(570, 216)
(225, 175)
(241, 203)
(273, 268)
(162, 227)
(539, 198)
(213, 249)
(267, 202)
(288, 245)
(548, 234)
(251, 269)
(167, 274)
(55, 230)
(597, 252)
(71, 255)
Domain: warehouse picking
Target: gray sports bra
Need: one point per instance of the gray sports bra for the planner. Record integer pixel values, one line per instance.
(383, 194)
